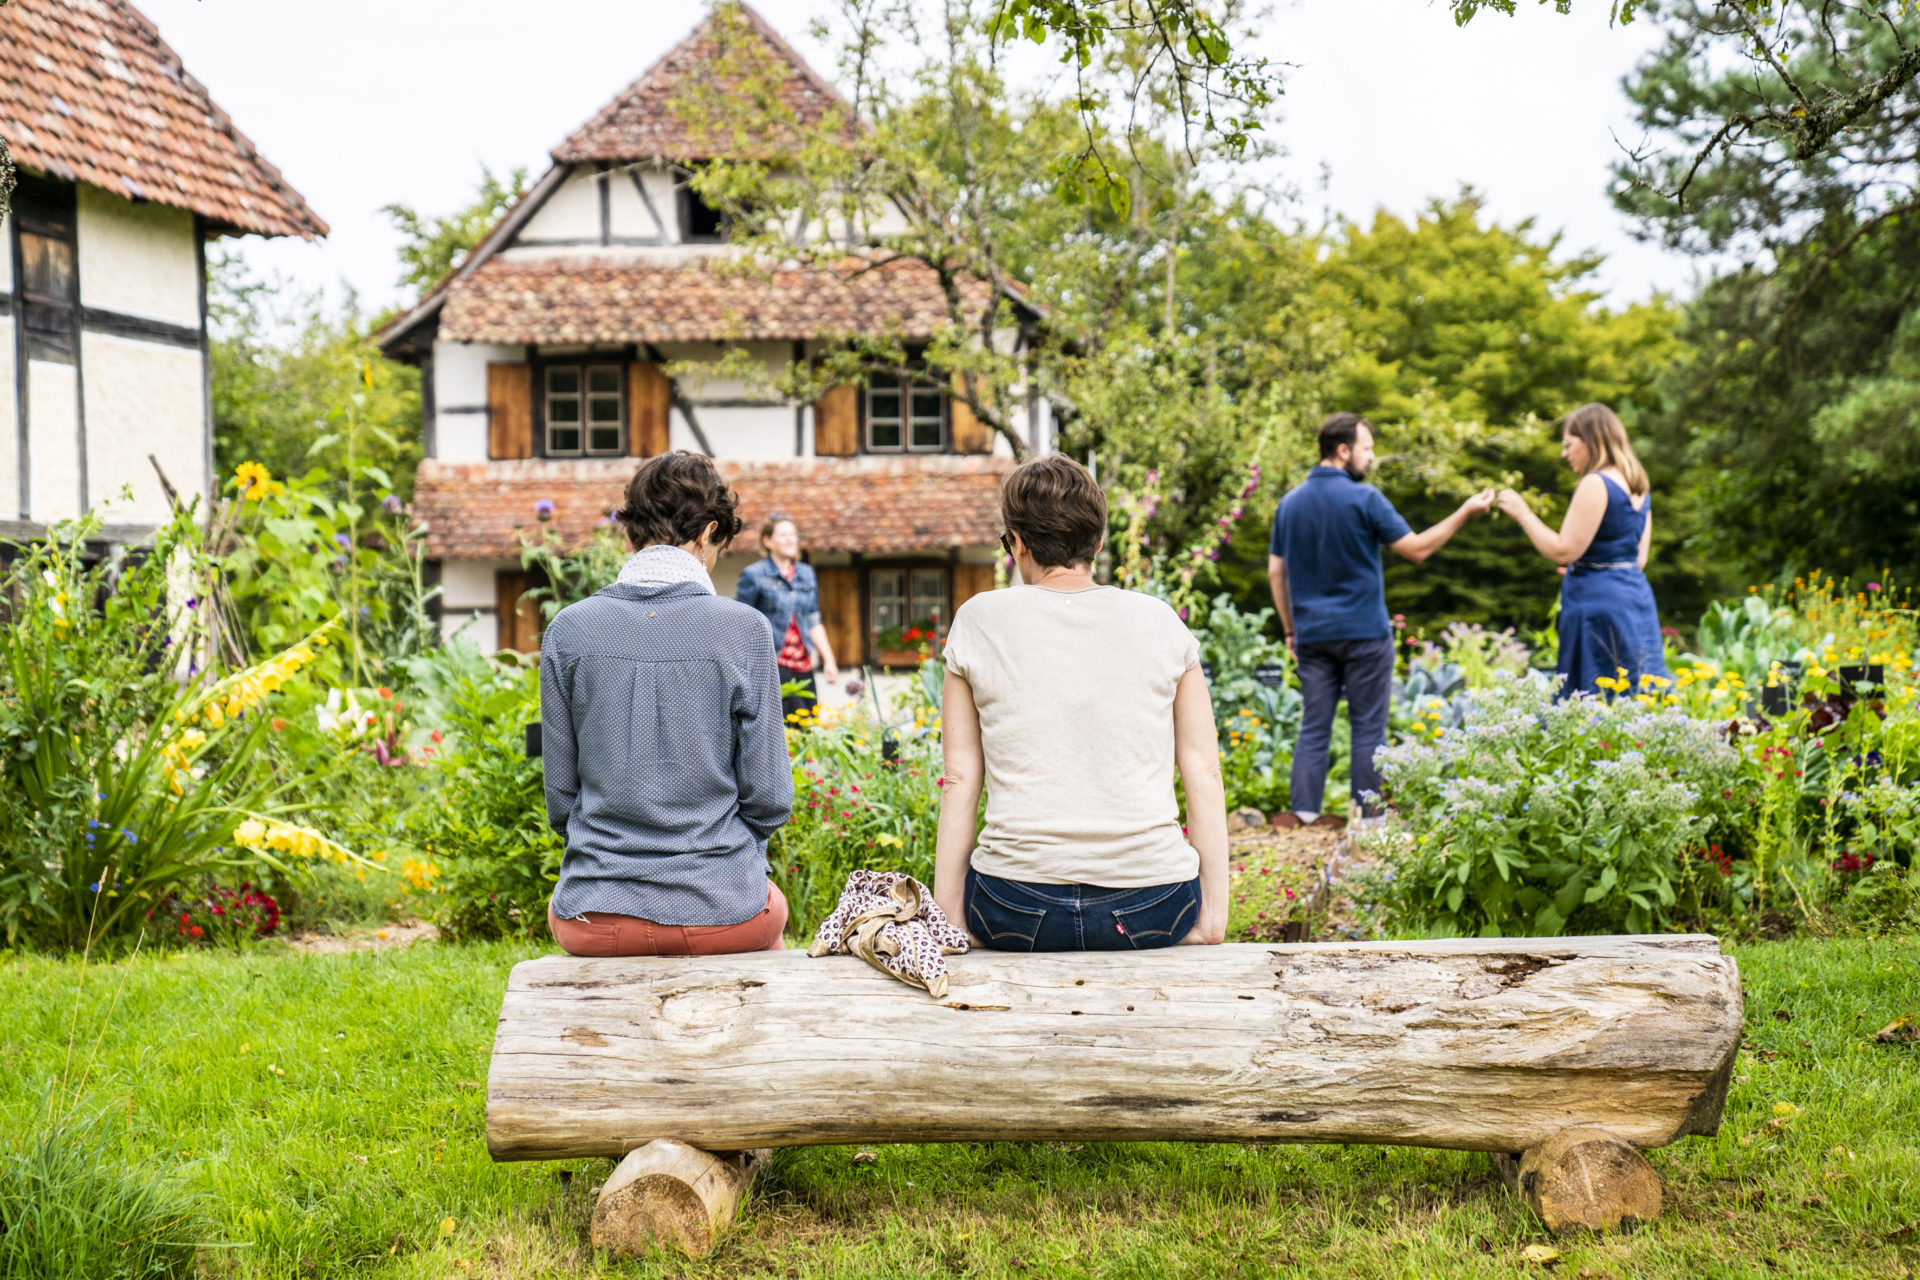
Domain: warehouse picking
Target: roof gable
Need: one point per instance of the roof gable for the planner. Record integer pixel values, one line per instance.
(645, 122)
(89, 92)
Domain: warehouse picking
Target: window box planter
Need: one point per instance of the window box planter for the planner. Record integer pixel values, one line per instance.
(897, 657)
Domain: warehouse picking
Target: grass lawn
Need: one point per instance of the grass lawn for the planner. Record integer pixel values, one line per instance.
(329, 1111)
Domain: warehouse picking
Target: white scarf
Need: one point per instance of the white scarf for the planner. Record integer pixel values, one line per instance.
(662, 565)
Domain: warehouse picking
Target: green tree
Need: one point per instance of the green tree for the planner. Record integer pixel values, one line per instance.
(1465, 340)
(286, 372)
(433, 247)
(1795, 411)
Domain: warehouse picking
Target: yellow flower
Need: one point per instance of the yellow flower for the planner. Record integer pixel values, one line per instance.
(255, 482)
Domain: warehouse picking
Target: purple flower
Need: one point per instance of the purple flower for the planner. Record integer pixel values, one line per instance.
(339, 563)
(544, 509)
(1873, 586)
(344, 542)
(392, 503)
(1183, 613)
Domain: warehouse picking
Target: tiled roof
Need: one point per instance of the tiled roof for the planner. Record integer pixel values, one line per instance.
(479, 510)
(645, 122)
(89, 92)
(515, 301)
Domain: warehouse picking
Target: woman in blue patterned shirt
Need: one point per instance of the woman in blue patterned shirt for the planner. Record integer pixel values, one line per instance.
(664, 745)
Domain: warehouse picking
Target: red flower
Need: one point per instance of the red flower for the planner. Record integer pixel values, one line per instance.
(279, 725)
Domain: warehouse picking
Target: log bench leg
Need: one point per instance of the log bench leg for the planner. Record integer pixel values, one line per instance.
(1584, 1179)
(674, 1195)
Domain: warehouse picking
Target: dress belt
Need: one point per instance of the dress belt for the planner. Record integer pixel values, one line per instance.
(1607, 564)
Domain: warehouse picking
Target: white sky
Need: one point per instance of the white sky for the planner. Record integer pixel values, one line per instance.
(363, 102)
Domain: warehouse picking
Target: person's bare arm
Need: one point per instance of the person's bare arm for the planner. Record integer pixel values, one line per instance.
(1282, 600)
(1418, 546)
(828, 667)
(1196, 751)
(1646, 541)
(960, 783)
(1584, 514)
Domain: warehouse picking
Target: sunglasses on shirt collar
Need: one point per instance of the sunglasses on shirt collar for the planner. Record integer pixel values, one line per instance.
(1006, 542)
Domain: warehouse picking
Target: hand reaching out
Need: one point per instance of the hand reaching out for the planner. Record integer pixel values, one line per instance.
(1479, 503)
(1513, 504)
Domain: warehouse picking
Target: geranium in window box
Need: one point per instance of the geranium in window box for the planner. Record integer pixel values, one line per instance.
(906, 646)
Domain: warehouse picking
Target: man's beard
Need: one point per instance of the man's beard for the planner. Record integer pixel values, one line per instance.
(1355, 470)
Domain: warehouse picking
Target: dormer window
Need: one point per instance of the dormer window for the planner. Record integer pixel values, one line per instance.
(700, 222)
(905, 414)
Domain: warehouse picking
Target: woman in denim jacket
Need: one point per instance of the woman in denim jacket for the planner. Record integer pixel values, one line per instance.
(786, 591)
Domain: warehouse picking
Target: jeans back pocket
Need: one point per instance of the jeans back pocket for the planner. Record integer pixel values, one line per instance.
(1163, 919)
(1000, 925)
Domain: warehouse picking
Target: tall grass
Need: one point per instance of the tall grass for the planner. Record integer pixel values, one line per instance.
(76, 1204)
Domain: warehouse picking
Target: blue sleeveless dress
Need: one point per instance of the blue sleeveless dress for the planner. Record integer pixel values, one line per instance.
(1608, 619)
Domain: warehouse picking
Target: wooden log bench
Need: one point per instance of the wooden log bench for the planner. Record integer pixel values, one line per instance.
(1563, 1057)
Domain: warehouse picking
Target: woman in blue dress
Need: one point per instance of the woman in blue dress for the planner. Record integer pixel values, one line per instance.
(1609, 624)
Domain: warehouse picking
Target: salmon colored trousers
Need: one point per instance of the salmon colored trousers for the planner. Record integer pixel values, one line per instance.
(601, 933)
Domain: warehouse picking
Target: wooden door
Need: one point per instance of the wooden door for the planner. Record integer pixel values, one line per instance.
(970, 580)
(649, 401)
(970, 435)
(519, 617)
(509, 411)
(840, 613)
(836, 422)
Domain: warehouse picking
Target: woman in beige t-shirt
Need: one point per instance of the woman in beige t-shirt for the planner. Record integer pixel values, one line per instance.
(1074, 703)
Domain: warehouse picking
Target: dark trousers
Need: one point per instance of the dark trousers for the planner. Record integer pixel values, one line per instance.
(1363, 671)
(808, 701)
(1015, 915)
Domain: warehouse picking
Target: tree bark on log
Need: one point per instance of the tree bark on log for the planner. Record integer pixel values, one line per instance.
(670, 1194)
(1491, 1045)
(1584, 1180)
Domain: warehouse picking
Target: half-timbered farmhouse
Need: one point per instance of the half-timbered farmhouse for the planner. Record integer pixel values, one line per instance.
(546, 355)
(127, 168)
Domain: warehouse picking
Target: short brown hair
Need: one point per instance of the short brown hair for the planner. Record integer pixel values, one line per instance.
(1341, 429)
(672, 497)
(1056, 508)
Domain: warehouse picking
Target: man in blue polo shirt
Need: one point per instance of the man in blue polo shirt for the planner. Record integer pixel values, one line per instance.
(1324, 568)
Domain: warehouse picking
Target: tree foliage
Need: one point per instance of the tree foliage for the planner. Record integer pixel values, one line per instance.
(287, 372)
(432, 248)
(1794, 412)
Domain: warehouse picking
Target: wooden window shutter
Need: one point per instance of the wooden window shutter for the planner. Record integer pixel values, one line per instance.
(509, 411)
(518, 617)
(840, 613)
(649, 400)
(970, 435)
(970, 580)
(836, 424)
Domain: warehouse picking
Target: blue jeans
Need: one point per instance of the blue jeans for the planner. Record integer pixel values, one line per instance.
(1363, 670)
(1015, 915)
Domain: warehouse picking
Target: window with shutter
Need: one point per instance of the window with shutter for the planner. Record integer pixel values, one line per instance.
(509, 411)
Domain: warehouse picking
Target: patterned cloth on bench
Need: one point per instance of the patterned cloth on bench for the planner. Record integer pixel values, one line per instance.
(890, 920)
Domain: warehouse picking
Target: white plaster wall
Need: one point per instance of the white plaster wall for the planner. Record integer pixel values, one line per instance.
(138, 259)
(9, 421)
(468, 584)
(572, 212)
(142, 398)
(480, 626)
(468, 601)
(460, 383)
(748, 433)
(627, 215)
(773, 357)
(53, 423)
(6, 254)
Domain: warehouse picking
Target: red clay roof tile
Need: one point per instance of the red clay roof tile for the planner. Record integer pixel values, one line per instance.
(645, 122)
(480, 510)
(510, 300)
(89, 92)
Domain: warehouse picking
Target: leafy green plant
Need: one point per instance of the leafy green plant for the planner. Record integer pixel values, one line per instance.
(1545, 817)
(567, 574)
(488, 860)
(127, 771)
